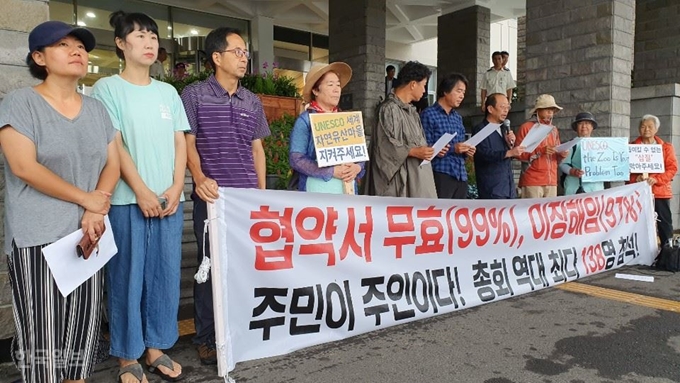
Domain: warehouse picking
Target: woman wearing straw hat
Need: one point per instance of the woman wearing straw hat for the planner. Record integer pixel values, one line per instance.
(323, 86)
(539, 176)
(583, 124)
(398, 144)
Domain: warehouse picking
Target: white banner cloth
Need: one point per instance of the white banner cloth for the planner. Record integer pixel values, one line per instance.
(294, 269)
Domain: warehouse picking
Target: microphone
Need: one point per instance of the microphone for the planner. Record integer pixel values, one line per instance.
(506, 131)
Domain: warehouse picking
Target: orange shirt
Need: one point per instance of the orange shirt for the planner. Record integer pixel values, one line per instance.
(542, 168)
(662, 188)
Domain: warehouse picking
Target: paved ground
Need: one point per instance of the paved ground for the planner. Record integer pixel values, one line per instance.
(613, 330)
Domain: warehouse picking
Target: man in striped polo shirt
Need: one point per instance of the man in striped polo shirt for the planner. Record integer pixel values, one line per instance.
(224, 149)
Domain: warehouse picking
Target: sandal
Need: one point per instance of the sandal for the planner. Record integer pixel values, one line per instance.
(164, 361)
(135, 369)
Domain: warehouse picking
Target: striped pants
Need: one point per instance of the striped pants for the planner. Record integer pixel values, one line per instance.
(56, 337)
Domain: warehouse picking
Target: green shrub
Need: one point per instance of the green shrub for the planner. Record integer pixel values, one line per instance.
(265, 83)
(276, 149)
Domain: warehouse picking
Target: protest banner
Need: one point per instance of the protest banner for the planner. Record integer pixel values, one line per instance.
(646, 159)
(604, 159)
(338, 138)
(292, 270)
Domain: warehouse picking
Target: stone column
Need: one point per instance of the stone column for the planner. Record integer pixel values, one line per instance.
(263, 43)
(357, 37)
(657, 41)
(581, 52)
(463, 46)
(16, 20)
(662, 101)
(521, 57)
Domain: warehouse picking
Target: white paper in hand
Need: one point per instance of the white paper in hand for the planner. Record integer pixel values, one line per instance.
(69, 270)
(482, 134)
(567, 145)
(439, 145)
(535, 136)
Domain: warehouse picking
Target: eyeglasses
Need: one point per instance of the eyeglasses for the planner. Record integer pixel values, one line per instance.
(238, 52)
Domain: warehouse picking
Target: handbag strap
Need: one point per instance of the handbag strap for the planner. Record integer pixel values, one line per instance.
(573, 153)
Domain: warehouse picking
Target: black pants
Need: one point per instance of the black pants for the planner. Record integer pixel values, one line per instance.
(664, 223)
(204, 317)
(449, 187)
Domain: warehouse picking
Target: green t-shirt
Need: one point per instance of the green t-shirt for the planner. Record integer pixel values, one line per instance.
(147, 117)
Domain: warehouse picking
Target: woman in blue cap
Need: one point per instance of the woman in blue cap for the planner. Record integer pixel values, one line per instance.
(62, 167)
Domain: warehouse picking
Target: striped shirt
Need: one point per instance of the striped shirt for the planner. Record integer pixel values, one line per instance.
(225, 127)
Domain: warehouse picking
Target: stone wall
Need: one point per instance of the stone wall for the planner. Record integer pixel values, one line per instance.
(657, 42)
(16, 20)
(463, 46)
(357, 37)
(581, 52)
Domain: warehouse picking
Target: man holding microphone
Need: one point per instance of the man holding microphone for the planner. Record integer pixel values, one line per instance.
(493, 158)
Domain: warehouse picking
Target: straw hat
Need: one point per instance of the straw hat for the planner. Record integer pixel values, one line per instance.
(340, 68)
(584, 116)
(545, 101)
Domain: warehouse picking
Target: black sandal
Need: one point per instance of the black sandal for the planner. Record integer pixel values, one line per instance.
(135, 369)
(164, 361)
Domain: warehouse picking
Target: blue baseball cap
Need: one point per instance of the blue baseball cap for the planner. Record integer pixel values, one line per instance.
(50, 32)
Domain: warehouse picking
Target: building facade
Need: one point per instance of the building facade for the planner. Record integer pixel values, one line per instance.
(614, 58)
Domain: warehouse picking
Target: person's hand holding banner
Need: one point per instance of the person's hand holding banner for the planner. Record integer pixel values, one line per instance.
(578, 173)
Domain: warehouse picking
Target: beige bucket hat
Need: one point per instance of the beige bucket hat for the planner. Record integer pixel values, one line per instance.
(545, 101)
(317, 71)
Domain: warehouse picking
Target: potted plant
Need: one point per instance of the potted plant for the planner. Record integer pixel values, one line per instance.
(276, 152)
(279, 94)
(269, 83)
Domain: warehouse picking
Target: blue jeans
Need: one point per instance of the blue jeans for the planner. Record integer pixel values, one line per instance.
(144, 281)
